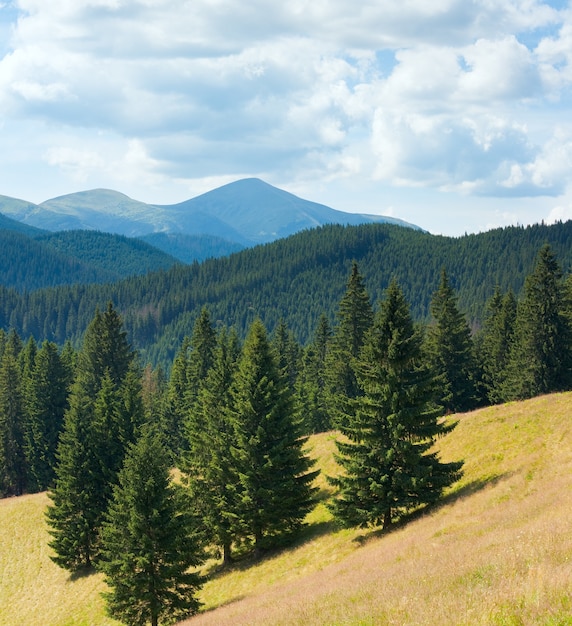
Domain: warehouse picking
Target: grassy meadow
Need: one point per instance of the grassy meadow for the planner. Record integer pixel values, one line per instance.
(497, 550)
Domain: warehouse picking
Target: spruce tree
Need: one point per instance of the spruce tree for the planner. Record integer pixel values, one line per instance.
(541, 355)
(175, 409)
(495, 342)
(98, 427)
(274, 482)
(355, 317)
(388, 468)
(211, 475)
(149, 541)
(47, 401)
(450, 349)
(312, 381)
(13, 471)
(200, 360)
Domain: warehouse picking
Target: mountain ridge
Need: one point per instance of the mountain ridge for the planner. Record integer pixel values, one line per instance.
(247, 212)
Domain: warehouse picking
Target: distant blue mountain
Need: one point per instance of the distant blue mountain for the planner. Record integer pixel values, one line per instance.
(244, 213)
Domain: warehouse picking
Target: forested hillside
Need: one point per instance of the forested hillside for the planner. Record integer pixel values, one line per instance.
(34, 259)
(295, 279)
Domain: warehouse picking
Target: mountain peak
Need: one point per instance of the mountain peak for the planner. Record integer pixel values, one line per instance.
(247, 211)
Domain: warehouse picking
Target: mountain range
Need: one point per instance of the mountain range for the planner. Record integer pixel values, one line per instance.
(242, 214)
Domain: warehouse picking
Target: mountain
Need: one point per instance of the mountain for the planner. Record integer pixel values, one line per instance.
(246, 212)
(261, 213)
(72, 257)
(294, 279)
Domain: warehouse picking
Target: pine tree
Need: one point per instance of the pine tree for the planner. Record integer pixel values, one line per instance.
(47, 401)
(387, 466)
(450, 349)
(274, 482)
(355, 317)
(13, 471)
(541, 355)
(149, 541)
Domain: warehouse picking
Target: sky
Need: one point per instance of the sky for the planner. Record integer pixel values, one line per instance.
(455, 115)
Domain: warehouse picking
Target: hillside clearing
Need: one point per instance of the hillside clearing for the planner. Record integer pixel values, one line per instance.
(497, 551)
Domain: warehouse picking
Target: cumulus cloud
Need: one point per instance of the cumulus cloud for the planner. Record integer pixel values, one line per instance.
(448, 95)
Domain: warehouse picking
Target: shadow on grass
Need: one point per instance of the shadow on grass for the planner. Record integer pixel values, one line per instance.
(246, 560)
(84, 572)
(458, 494)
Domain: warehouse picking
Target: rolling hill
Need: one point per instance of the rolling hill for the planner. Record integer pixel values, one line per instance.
(246, 212)
(496, 550)
(48, 259)
(295, 279)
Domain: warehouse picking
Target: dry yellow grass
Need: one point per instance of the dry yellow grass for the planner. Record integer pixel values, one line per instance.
(498, 550)
(33, 590)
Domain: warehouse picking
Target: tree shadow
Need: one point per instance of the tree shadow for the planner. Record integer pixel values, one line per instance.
(247, 559)
(83, 572)
(457, 494)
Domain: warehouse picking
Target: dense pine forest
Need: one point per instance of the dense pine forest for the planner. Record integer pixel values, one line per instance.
(259, 351)
(295, 280)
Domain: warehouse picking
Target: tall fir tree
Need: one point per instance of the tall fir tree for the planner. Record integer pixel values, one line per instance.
(495, 342)
(13, 470)
(311, 388)
(355, 317)
(450, 349)
(200, 360)
(150, 545)
(388, 468)
(541, 355)
(47, 401)
(175, 408)
(211, 474)
(274, 479)
(98, 427)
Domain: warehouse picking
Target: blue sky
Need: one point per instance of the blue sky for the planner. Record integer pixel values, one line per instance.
(450, 114)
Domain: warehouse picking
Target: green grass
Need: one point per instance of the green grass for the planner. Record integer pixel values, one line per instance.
(497, 550)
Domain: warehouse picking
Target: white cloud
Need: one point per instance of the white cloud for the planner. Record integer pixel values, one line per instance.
(445, 95)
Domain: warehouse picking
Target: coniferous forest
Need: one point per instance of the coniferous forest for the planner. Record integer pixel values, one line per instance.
(223, 369)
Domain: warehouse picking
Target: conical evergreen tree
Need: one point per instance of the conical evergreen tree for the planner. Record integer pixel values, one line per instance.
(13, 471)
(274, 482)
(98, 427)
(201, 357)
(450, 349)
(175, 408)
(47, 401)
(211, 474)
(79, 495)
(289, 353)
(541, 358)
(355, 317)
(312, 381)
(149, 541)
(387, 466)
(495, 343)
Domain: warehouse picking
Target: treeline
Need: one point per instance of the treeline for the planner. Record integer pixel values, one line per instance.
(295, 280)
(102, 435)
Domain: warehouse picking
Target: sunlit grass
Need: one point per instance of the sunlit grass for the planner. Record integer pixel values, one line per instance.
(497, 550)
(33, 590)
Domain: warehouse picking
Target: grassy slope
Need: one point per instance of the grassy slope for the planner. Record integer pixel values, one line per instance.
(497, 551)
